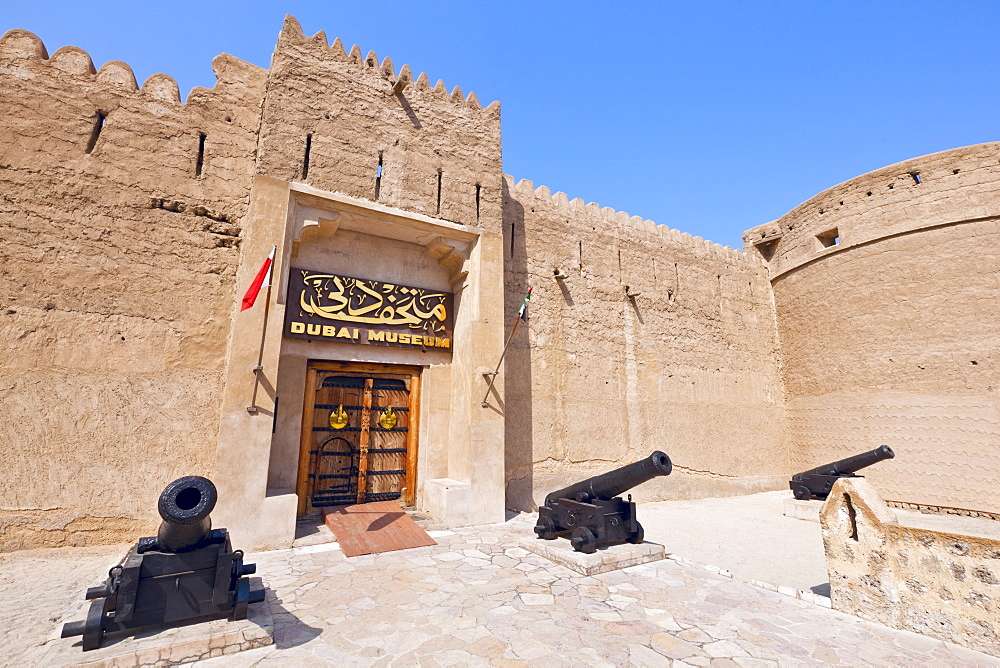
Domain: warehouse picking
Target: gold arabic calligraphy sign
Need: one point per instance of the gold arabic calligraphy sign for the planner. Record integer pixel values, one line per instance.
(325, 306)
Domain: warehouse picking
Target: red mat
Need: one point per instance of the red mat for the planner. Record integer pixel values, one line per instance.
(369, 528)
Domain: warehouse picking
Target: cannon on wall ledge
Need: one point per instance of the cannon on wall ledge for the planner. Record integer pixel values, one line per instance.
(593, 512)
(188, 572)
(817, 482)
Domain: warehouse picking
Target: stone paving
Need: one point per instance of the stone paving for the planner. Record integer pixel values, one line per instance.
(40, 589)
(473, 600)
(477, 599)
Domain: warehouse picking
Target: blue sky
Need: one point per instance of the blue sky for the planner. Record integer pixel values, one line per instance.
(710, 117)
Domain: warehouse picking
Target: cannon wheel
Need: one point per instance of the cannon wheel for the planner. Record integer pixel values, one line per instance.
(637, 536)
(801, 492)
(546, 528)
(583, 540)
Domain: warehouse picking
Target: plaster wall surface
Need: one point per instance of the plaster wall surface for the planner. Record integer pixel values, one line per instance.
(597, 379)
(944, 585)
(890, 336)
(118, 247)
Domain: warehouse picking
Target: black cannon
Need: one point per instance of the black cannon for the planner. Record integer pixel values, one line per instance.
(817, 482)
(592, 510)
(188, 572)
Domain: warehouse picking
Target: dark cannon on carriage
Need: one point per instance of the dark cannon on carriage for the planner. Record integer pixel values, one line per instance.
(593, 513)
(188, 572)
(817, 482)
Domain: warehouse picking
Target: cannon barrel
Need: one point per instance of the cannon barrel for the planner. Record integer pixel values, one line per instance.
(851, 464)
(185, 506)
(613, 483)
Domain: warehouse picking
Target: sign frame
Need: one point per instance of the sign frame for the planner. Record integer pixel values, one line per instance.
(326, 306)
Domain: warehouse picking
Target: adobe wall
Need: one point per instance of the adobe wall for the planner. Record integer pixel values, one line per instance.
(357, 113)
(117, 257)
(890, 336)
(597, 380)
(130, 218)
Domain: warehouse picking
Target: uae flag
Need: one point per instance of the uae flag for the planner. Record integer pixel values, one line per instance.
(522, 312)
(261, 280)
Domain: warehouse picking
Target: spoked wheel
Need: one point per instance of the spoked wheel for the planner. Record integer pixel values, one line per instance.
(583, 540)
(637, 536)
(546, 528)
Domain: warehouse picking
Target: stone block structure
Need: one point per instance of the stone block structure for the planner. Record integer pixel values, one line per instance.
(938, 584)
(132, 223)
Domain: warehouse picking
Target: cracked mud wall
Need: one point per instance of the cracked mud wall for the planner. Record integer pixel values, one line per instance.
(118, 249)
(891, 335)
(597, 380)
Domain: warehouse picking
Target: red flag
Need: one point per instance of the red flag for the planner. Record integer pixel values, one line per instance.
(262, 279)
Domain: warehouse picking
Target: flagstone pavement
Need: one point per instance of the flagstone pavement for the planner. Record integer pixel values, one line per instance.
(476, 599)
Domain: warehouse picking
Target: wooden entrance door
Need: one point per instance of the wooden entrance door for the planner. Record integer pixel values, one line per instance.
(358, 435)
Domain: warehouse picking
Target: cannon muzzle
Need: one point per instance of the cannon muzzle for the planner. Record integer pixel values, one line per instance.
(613, 483)
(851, 464)
(185, 506)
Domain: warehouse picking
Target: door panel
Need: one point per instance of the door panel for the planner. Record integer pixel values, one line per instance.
(387, 444)
(360, 447)
(336, 431)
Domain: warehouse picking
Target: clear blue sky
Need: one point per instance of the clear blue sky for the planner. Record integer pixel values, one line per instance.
(710, 117)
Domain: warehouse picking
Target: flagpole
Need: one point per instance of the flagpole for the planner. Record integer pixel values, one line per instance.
(493, 376)
(521, 313)
(266, 274)
(252, 408)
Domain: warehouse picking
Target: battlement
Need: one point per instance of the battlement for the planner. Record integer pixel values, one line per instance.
(395, 82)
(919, 193)
(560, 202)
(355, 125)
(321, 115)
(22, 45)
(135, 165)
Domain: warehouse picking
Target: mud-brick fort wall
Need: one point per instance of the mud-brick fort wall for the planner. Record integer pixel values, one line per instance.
(127, 220)
(892, 334)
(120, 211)
(688, 365)
(347, 123)
(125, 229)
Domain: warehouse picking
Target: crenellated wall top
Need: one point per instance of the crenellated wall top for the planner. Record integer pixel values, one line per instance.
(945, 188)
(22, 45)
(396, 81)
(525, 190)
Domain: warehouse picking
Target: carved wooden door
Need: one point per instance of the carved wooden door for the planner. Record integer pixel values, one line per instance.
(360, 444)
